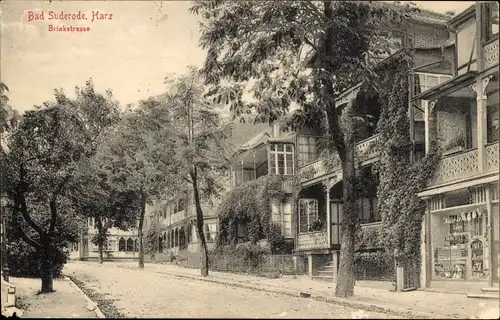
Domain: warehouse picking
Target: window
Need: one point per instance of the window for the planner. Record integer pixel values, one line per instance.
(368, 212)
(180, 205)
(130, 244)
(281, 159)
(110, 245)
(282, 215)
(466, 51)
(492, 123)
(122, 245)
(491, 20)
(307, 148)
(308, 214)
(426, 81)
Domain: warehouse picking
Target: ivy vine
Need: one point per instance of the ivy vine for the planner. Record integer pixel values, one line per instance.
(250, 204)
(400, 179)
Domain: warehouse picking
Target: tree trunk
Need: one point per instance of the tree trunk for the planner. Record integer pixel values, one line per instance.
(346, 276)
(139, 232)
(46, 272)
(199, 228)
(100, 258)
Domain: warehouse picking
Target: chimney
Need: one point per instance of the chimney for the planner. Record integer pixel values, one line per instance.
(276, 129)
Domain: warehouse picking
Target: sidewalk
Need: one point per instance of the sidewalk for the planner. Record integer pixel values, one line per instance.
(415, 304)
(65, 302)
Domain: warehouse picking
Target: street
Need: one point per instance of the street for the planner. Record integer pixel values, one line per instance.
(146, 294)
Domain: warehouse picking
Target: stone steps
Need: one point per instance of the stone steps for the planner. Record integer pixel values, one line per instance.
(483, 296)
(490, 290)
(323, 278)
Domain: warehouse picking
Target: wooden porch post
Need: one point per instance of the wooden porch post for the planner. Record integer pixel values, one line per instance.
(428, 246)
(328, 216)
(490, 236)
(482, 134)
(425, 105)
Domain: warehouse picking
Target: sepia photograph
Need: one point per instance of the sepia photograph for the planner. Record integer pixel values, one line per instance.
(279, 159)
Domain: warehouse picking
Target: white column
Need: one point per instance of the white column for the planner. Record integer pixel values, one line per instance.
(482, 134)
(425, 105)
(310, 265)
(328, 216)
(423, 266)
(490, 236)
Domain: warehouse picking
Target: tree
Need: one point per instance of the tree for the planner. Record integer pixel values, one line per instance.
(299, 54)
(110, 205)
(201, 152)
(45, 149)
(139, 153)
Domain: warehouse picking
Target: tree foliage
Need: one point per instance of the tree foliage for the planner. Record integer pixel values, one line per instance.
(202, 151)
(298, 54)
(46, 147)
(139, 155)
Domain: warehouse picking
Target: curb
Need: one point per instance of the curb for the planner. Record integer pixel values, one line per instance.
(332, 300)
(89, 301)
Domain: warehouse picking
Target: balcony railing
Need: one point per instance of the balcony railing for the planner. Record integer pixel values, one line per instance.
(492, 157)
(312, 241)
(456, 167)
(464, 165)
(364, 152)
(490, 53)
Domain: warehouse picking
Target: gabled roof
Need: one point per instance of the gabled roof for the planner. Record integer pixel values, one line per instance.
(255, 140)
(424, 15)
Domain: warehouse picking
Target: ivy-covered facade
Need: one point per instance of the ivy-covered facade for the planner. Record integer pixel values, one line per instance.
(460, 230)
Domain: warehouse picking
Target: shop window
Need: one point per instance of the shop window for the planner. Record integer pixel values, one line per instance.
(461, 246)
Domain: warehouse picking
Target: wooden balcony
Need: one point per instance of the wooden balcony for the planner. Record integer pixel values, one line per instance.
(490, 53)
(312, 241)
(364, 152)
(464, 165)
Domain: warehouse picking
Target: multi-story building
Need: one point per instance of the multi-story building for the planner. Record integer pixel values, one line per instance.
(455, 83)
(461, 228)
(120, 244)
(315, 224)
(175, 218)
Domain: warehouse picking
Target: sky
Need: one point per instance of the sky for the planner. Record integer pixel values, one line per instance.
(131, 53)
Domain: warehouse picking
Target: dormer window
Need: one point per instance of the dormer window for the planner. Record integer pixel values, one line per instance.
(281, 159)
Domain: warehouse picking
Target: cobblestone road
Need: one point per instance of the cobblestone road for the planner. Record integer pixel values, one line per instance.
(143, 294)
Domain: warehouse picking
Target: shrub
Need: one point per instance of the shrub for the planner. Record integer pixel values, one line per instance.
(24, 261)
(377, 265)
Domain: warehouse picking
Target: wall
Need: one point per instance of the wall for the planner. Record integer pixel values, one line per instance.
(428, 36)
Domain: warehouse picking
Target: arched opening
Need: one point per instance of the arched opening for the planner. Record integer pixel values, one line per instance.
(130, 244)
(122, 245)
